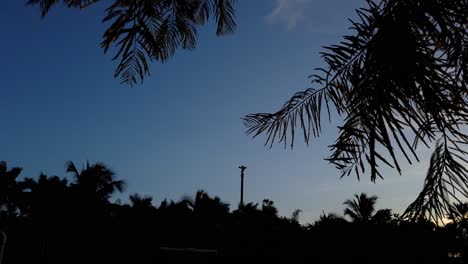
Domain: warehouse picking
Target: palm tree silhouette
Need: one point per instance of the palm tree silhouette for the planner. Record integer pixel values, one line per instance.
(95, 181)
(361, 209)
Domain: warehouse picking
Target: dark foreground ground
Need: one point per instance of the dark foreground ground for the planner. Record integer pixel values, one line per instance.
(140, 242)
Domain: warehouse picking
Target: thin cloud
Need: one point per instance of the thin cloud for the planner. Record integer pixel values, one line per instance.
(290, 12)
(320, 16)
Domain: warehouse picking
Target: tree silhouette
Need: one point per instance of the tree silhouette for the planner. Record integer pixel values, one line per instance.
(46, 199)
(459, 217)
(248, 209)
(140, 202)
(383, 216)
(295, 216)
(329, 219)
(204, 204)
(10, 189)
(457, 232)
(59, 221)
(398, 81)
(460, 213)
(96, 181)
(145, 31)
(361, 209)
(269, 208)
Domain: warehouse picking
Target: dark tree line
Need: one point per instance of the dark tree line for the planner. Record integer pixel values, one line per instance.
(50, 219)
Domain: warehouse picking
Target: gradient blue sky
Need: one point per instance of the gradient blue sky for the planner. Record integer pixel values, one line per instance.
(181, 130)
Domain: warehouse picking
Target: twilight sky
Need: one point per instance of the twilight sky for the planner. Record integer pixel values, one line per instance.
(180, 130)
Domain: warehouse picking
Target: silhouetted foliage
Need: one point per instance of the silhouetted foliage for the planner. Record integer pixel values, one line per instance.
(9, 190)
(383, 216)
(269, 208)
(330, 219)
(141, 202)
(459, 218)
(295, 215)
(361, 208)
(61, 221)
(96, 179)
(145, 31)
(399, 80)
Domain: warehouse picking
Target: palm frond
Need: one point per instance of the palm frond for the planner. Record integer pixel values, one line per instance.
(143, 31)
(119, 185)
(146, 31)
(205, 9)
(304, 109)
(125, 31)
(46, 5)
(446, 182)
(225, 18)
(400, 79)
(71, 167)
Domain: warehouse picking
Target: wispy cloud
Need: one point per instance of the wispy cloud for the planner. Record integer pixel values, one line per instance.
(323, 16)
(290, 12)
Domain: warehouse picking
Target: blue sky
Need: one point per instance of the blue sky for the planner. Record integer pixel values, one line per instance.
(180, 130)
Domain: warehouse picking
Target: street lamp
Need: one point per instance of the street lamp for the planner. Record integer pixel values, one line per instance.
(241, 207)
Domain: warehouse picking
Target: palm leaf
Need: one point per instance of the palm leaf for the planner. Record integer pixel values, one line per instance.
(46, 5)
(224, 13)
(143, 31)
(398, 80)
(446, 181)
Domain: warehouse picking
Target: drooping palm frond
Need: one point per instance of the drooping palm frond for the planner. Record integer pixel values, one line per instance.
(142, 31)
(446, 182)
(132, 35)
(71, 167)
(46, 5)
(224, 13)
(398, 80)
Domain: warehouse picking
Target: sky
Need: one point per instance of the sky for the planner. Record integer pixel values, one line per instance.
(181, 130)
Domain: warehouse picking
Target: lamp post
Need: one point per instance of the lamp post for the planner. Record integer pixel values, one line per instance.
(241, 207)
